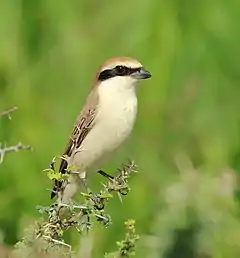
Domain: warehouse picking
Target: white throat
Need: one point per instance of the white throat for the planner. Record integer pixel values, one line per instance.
(124, 84)
(118, 101)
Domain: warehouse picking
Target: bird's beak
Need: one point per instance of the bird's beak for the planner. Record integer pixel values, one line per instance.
(142, 73)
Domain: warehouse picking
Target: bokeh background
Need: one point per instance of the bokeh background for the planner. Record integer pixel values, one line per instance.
(187, 138)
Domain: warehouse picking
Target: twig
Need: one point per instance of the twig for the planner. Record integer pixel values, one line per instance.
(8, 112)
(82, 216)
(58, 242)
(15, 148)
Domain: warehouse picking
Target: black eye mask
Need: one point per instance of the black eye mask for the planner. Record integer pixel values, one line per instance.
(119, 70)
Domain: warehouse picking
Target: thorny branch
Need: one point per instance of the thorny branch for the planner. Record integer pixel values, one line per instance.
(82, 216)
(14, 148)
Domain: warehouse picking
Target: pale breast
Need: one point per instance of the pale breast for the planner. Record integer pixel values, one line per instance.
(117, 122)
(114, 122)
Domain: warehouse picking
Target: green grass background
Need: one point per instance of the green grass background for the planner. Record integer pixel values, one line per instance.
(186, 140)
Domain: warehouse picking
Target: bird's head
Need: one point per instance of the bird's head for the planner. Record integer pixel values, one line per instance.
(124, 71)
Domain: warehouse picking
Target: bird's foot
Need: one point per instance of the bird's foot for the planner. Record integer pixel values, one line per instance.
(98, 201)
(85, 184)
(123, 191)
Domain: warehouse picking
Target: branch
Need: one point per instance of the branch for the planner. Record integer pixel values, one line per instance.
(14, 148)
(82, 216)
(8, 112)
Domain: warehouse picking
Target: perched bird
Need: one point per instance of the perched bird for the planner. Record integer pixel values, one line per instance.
(104, 123)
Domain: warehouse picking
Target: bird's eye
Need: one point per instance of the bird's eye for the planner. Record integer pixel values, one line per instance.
(121, 70)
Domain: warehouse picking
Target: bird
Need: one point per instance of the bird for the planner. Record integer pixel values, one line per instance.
(104, 123)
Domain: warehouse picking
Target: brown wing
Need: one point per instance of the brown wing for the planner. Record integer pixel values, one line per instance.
(83, 125)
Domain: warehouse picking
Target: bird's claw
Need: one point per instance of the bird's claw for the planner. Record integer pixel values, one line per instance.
(98, 202)
(124, 191)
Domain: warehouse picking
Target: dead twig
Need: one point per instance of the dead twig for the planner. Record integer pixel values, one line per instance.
(8, 112)
(14, 148)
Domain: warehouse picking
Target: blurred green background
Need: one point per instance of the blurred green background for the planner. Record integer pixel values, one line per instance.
(186, 140)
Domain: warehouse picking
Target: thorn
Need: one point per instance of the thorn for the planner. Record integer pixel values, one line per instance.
(120, 197)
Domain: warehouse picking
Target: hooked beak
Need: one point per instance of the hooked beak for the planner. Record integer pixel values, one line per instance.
(142, 73)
